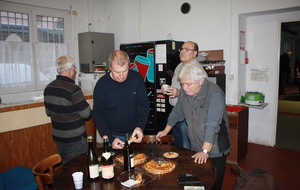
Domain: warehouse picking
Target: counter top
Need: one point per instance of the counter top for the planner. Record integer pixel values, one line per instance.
(28, 104)
(29, 114)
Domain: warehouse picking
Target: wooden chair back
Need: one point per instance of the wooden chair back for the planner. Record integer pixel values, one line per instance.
(44, 171)
(150, 139)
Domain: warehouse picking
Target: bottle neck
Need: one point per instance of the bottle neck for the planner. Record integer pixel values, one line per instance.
(127, 145)
(90, 144)
(105, 146)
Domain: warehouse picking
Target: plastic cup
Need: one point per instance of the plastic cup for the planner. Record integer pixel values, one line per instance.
(78, 179)
(164, 88)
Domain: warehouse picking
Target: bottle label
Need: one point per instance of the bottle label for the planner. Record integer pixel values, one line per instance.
(132, 160)
(94, 171)
(106, 155)
(107, 171)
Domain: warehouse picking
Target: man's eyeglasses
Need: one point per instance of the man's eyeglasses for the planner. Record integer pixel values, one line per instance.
(185, 49)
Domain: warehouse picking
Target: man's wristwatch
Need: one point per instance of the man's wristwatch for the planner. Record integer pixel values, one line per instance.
(205, 151)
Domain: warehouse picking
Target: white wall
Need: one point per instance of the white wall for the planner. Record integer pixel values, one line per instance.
(264, 50)
(212, 24)
(216, 25)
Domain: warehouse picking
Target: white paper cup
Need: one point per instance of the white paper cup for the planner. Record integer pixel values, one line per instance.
(164, 88)
(78, 179)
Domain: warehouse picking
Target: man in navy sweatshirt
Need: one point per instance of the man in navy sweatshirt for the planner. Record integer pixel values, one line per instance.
(121, 104)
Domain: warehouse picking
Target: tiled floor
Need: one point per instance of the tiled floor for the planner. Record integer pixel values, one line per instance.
(283, 164)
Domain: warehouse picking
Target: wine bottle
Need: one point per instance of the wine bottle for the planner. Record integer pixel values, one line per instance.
(92, 160)
(107, 164)
(128, 156)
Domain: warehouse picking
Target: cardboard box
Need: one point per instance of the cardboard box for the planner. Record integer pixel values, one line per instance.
(213, 55)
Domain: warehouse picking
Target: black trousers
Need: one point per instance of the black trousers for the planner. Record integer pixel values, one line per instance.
(220, 165)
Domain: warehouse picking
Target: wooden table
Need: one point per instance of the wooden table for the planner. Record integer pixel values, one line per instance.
(184, 164)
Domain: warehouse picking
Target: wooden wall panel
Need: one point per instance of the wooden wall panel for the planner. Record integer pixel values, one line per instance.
(26, 147)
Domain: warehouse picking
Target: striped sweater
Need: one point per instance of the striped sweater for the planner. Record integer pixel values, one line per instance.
(65, 104)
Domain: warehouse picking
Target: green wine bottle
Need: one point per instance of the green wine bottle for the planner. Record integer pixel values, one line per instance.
(128, 156)
(92, 160)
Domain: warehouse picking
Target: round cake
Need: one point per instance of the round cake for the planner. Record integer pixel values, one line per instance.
(159, 168)
(139, 158)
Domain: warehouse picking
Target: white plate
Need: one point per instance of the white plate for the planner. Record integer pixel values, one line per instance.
(170, 154)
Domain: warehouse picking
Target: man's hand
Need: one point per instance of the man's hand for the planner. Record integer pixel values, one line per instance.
(200, 157)
(163, 133)
(117, 144)
(172, 92)
(138, 133)
(160, 134)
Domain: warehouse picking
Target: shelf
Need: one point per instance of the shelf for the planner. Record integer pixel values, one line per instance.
(262, 106)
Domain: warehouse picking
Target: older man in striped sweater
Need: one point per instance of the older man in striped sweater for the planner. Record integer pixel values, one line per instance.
(65, 104)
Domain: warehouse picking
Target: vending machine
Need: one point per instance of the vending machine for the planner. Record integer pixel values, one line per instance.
(156, 62)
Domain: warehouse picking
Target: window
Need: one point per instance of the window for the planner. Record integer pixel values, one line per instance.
(31, 38)
(14, 23)
(50, 29)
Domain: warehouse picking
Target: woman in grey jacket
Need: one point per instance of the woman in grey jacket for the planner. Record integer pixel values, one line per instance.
(202, 104)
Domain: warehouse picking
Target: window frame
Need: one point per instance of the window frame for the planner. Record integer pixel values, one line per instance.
(33, 11)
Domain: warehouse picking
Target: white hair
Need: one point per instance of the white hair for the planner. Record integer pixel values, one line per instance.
(192, 72)
(64, 63)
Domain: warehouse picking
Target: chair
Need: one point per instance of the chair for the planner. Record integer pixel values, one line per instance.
(18, 178)
(150, 139)
(44, 171)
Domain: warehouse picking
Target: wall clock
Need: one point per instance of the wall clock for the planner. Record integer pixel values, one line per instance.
(185, 8)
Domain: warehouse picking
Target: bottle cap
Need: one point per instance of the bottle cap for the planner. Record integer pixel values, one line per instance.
(90, 138)
(105, 137)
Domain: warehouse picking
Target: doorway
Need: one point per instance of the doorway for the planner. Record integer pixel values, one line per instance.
(288, 116)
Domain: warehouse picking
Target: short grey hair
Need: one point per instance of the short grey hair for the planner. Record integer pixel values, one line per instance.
(64, 63)
(191, 72)
(120, 56)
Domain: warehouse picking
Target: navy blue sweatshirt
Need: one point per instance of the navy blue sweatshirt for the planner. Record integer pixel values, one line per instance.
(120, 107)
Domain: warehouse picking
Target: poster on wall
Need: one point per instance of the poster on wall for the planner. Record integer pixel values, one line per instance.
(242, 40)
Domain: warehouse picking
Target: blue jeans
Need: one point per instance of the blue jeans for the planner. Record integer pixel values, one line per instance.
(122, 138)
(180, 135)
(67, 151)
